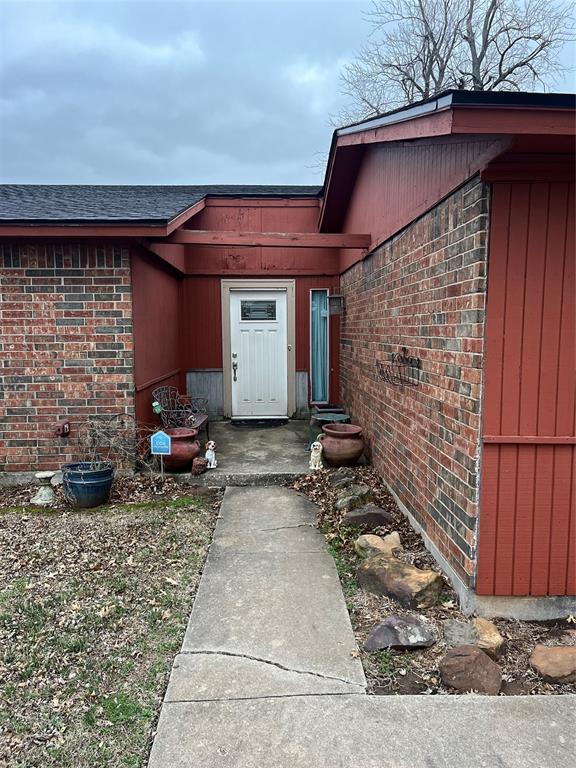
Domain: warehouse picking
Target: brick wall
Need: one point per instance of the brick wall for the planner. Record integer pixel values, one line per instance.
(65, 346)
(424, 289)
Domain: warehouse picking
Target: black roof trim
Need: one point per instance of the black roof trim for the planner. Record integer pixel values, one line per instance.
(454, 98)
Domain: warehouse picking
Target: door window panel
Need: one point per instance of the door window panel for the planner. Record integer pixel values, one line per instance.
(257, 310)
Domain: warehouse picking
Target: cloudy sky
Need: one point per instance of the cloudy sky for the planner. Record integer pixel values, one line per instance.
(175, 92)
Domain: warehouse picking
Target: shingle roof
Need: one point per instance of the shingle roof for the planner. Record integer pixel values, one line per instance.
(83, 203)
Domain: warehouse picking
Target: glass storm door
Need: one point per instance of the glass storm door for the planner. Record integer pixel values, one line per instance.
(259, 349)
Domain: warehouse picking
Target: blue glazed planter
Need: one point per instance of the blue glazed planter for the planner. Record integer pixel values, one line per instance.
(85, 486)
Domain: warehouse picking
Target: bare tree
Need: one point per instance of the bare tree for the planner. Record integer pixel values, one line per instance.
(418, 48)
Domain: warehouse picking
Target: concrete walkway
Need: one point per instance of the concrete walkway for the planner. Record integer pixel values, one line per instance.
(256, 456)
(267, 676)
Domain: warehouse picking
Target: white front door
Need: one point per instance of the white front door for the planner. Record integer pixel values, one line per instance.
(259, 349)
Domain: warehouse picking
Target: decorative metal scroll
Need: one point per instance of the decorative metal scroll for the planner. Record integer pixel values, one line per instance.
(402, 370)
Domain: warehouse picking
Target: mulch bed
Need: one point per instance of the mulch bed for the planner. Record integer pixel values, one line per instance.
(416, 671)
(93, 607)
(126, 489)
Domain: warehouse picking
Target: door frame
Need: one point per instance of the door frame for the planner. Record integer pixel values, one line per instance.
(226, 286)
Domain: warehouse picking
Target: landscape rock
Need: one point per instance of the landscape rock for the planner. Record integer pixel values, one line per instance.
(342, 478)
(555, 664)
(458, 633)
(489, 638)
(412, 587)
(468, 668)
(369, 515)
(353, 496)
(480, 632)
(399, 632)
(369, 545)
(199, 465)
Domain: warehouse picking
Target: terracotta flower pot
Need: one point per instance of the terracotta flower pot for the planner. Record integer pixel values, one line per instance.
(184, 448)
(342, 444)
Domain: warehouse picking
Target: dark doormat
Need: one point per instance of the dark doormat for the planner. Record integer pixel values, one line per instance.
(258, 423)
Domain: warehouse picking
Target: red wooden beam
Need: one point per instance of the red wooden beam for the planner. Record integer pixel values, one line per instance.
(269, 239)
(171, 254)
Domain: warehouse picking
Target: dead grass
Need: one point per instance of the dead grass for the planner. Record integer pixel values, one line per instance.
(416, 671)
(93, 607)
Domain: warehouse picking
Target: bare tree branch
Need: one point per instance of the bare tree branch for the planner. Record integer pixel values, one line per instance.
(418, 48)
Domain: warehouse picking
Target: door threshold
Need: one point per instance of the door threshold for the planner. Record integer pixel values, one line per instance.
(259, 418)
(257, 422)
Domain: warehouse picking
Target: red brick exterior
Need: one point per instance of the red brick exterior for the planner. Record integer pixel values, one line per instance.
(66, 346)
(424, 289)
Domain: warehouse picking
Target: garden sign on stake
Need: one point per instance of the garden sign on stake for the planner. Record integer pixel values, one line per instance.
(161, 445)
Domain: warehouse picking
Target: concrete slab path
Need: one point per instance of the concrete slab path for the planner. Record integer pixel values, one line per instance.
(262, 456)
(267, 676)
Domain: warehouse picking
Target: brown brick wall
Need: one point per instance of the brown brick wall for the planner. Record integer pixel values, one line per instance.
(65, 346)
(424, 289)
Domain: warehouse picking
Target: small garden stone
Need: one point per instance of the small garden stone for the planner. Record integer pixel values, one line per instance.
(468, 668)
(369, 545)
(342, 478)
(480, 632)
(555, 664)
(399, 632)
(369, 515)
(353, 496)
(412, 587)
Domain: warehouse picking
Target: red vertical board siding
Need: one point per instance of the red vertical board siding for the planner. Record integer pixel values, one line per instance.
(398, 182)
(156, 313)
(527, 523)
(201, 331)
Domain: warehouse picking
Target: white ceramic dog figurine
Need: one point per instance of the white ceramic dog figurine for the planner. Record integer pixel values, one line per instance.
(210, 454)
(316, 456)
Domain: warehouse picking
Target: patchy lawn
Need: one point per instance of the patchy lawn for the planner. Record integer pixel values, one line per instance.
(416, 671)
(93, 607)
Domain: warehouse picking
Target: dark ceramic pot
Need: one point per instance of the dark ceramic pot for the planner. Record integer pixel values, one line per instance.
(88, 484)
(184, 448)
(342, 444)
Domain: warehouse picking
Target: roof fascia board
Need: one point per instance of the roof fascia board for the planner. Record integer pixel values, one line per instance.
(513, 120)
(79, 230)
(417, 111)
(185, 215)
(328, 178)
(438, 123)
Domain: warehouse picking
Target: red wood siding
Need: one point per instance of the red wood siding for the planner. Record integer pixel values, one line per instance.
(258, 215)
(260, 261)
(155, 299)
(201, 323)
(527, 518)
(398, 182)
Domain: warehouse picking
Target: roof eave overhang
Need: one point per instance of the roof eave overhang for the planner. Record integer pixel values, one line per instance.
(443, 117)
